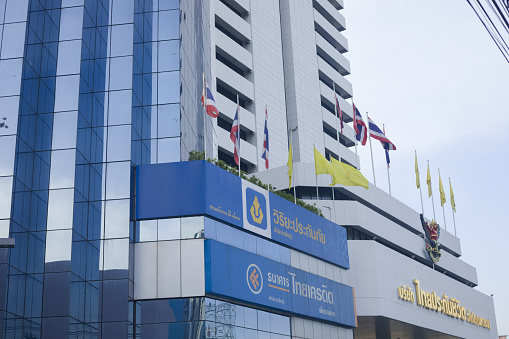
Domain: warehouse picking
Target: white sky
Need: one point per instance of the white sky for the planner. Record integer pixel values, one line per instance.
(430, 72)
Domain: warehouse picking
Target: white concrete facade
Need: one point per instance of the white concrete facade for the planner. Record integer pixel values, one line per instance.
(284, 55)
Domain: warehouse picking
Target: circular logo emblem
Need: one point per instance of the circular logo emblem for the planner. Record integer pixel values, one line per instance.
(254, 279)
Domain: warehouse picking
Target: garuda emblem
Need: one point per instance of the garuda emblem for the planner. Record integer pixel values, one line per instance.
(432, 231)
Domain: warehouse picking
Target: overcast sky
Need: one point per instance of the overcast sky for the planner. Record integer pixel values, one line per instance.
(430, 72)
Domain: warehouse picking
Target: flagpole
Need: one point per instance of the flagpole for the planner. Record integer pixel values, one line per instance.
(432, 199)
(371, 150)
(452, 209)
(443, 209)
(238, 124)
(316, 176)
(339, 144)
(268, 184)
(356, 155)
(204, 119)
(293, 173)
(420, 188)
(388, 176)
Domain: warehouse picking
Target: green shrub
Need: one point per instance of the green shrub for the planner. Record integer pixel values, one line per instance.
(196, 155)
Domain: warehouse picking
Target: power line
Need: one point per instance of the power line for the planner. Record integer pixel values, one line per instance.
(494, 15)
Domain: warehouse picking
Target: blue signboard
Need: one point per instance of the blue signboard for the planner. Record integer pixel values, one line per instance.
(239, 275)
(200, 188)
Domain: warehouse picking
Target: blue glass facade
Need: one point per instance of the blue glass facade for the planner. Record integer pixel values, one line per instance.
(90, 89)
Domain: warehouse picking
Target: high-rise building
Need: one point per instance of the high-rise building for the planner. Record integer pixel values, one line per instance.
(107, 231)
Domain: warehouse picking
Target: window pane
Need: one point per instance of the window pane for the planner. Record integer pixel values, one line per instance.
(168, 121)
(169, 25)
(117, 219)
(5, 198)
(191, 227)
(13, 40)
(147, 230)
(62, 169)
(71, 23)
(169, 58)
(60, 208)
(168, 150)
(168, 87)
(65, 127)
(168, 229)
(69, 60)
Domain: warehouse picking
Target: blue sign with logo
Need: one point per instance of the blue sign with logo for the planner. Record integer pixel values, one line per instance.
(239, 275)
(257, 215)
(201, 188)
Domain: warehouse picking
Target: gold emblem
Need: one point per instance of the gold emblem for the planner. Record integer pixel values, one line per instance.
(256, 211)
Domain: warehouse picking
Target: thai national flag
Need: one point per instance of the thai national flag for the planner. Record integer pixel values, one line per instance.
(265, 154)
(360, 127)
(209, 101)
(339, 111)
(386, 153)
(235, 136)
(377, 134)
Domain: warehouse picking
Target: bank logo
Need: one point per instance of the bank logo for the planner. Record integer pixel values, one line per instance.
(257, 208)
(254, 279)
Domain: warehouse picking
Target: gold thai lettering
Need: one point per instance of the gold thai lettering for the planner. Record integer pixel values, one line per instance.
(444, 304)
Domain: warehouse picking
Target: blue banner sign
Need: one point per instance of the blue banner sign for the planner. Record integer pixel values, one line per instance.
(239, 275)
(200, 188)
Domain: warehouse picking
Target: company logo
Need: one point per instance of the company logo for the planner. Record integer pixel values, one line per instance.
(257, 209)
(254, 278)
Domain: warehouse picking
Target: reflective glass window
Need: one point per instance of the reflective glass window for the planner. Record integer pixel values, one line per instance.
(147, 230)
(69, 60)
(169, 25)
(67, 93)
(168, 121)
(10, 69)
(4, 225)
(71, 23)
(122, 12)
(5, 197)
(168, 87)
(119, 111)
(58, 245)
(191, 227)
(62, 168)
(60, 208)
(116, 254)
(263, 321)
(65, 128)
(168, 229)
(117, 219)
(119, 140)
(168, 55)
(168, 4)
(16, 10)
(118, 183)
(13, 42)
(250, 318)
(72, 3)
(9, 115)
(121, 73)
(168, 150)
(121, 40)
(7, 152)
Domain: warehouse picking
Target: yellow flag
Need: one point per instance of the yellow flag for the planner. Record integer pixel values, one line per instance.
(417, 180)
(348, 175)
(453, 203)
(428, 181)
(441, 189)
(322, 166)
(290, 166)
